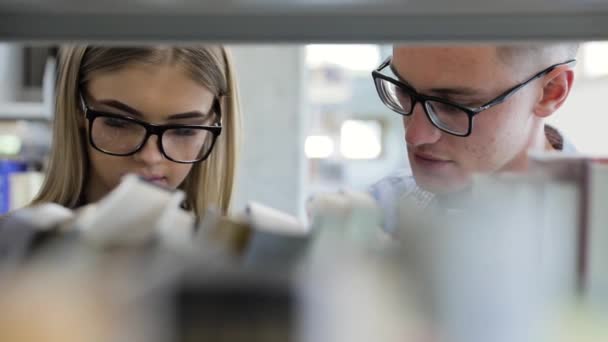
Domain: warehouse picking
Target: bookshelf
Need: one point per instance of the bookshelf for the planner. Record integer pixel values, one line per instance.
(302, 21)
(36, 111)
(306, 21)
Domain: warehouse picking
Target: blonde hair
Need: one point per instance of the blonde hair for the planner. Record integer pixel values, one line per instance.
(209, 183)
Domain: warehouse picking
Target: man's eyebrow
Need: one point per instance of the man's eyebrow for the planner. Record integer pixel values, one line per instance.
(443, 91)
(399, 76)
(124, 107)
(456, 91)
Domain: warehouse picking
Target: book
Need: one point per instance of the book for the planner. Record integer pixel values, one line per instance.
(586, 174)
(24, 186)
(129, 214)
(343, 220)
(259, 237)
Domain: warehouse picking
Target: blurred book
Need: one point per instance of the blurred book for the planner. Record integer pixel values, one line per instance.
(520, 247)
(597, 237)
(7, 168)
(590, 178)
(231, 305)
(24, 186)
(141, 214)
(345, 220)
(259, 237)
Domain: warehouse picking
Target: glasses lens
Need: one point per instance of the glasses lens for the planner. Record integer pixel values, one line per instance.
(394, 97)
(116, 135)
(448, 117)
(187, 144)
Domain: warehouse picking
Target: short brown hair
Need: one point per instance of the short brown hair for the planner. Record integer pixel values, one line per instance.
(543, 53)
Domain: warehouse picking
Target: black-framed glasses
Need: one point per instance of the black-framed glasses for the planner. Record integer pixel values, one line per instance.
(448, 116)
(121, 135)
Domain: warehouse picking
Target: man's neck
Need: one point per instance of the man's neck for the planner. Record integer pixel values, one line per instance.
(537, 142)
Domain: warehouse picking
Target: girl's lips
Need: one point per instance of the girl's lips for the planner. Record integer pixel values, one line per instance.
(156, 179)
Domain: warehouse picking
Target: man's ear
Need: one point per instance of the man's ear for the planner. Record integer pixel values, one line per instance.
(555, 89)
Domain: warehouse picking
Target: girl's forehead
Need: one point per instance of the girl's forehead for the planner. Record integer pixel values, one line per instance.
(155, 91)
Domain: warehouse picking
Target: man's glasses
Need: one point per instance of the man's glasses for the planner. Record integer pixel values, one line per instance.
(120, 135)
(448, 116)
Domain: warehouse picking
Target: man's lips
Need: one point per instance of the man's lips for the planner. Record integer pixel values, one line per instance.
(430, 158)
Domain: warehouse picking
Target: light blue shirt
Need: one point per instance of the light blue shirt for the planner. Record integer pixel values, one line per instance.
(400, 185)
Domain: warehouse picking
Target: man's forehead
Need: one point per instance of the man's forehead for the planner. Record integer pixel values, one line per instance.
(448, 55)
(426, 67)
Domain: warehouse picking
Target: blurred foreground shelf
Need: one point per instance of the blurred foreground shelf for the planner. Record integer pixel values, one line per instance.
(302, 21)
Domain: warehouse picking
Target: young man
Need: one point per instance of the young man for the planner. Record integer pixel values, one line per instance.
(470, 109)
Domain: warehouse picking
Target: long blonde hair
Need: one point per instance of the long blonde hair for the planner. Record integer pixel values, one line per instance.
(209, 183)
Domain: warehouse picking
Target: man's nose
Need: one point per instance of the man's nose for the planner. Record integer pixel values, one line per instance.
(419, 130)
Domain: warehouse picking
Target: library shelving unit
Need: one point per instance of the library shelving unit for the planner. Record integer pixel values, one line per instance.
(302, 20)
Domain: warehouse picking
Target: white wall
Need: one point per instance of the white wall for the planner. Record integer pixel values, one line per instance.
(584, 117)
(272, 96)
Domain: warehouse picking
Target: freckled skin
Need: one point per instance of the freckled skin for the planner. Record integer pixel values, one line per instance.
(501, 135)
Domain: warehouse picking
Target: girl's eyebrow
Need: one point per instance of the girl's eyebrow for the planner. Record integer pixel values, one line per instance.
(121, 106)
(124, 107)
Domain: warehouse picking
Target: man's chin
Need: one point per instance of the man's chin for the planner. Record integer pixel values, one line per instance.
(441, 185)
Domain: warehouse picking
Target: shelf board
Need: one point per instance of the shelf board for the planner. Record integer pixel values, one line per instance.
(303, 21)
(23, 111)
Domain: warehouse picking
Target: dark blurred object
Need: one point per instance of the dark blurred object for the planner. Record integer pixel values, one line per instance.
(233, 306)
